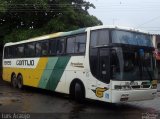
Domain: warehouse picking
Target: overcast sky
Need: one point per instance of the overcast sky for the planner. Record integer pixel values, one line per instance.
(141, 14)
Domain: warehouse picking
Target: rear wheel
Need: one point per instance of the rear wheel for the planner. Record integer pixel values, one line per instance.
(20, 81)
(14, 81)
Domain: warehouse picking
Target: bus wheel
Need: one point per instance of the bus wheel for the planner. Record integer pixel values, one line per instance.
(20, 81)
(79, 92)
(14, 81)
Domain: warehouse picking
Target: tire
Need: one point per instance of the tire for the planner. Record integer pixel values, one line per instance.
(20, 81)
(14, 81)
(79, 92)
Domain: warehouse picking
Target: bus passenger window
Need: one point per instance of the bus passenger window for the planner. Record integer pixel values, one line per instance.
(30, 50)
(6, 52)
(71, 45)
(20, 51)
(80, 44)
(52, 47)
(44, 48)
(60, 46)
(38, 49)
(9, 52)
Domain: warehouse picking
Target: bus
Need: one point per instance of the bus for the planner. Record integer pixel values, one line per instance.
(105, 63)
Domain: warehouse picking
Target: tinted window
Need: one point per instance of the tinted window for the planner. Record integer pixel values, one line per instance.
(99, 37)
(100, 64)
(30, 50)
(132, 38)
(19, 51)
(94, 62)
(104, 65)
(44, 48)
(80, 44)
(60, 46)
(6, 52)
(9, 52)
(53, 47)
(76, 44)
(38, 49)
(71, 45)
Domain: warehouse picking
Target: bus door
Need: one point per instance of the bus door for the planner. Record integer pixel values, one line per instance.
(103, 73)
(99, 63)
(103, 62)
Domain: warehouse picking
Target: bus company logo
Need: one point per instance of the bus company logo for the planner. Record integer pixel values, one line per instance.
(80, 65)
(100, 91)
(25, 62)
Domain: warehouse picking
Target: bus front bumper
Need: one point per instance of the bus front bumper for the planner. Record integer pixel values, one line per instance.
(133, 95)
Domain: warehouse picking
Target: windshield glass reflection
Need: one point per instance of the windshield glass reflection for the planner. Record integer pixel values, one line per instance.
(130, 65)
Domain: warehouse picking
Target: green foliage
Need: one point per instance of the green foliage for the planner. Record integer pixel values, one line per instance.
(3, 6)
(18, 35)
(23, 19)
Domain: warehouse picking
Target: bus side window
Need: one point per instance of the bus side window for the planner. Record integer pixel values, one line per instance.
(20, 51)
(52, 47)
(45, 48)
(38, 49)
(30, 50)
(60, 46)
(10, 52)
(80, 44)
(71, 45)
(6, 52)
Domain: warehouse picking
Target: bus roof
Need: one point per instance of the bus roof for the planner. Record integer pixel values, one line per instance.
(79, 31)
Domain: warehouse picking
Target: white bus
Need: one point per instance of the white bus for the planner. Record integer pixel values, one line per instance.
(110, 64)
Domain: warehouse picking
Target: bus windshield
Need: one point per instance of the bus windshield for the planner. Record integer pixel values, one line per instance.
(132, 65)
(131, 38)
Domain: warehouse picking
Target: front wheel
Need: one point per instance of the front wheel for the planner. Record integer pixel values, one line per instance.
(14, 81)
(79, 92)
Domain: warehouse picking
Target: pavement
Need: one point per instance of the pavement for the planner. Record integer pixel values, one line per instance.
(41, 104)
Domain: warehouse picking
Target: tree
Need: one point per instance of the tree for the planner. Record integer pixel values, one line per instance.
(20, 20)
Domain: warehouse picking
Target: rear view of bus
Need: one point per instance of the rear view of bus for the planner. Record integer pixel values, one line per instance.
(122, 60)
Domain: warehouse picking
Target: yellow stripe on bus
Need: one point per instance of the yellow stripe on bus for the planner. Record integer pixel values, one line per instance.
(31, 77)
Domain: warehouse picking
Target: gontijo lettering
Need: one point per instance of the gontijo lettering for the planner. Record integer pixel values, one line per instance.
(25, 62)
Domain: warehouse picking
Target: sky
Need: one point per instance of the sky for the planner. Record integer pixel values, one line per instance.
(139, 14)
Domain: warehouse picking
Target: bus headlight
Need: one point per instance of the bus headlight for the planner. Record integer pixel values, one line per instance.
(122, 87)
